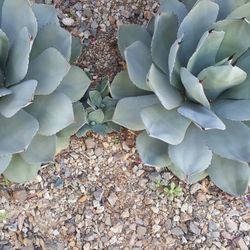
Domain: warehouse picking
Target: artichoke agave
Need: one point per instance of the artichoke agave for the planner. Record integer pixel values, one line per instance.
(99, 109)
(39, 89)
(187, 88)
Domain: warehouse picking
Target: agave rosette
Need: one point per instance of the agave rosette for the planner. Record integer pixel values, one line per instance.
(39, 88)
(187, 88)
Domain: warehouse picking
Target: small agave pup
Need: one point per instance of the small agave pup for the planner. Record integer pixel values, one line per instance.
(99, 110)
(187, 88)
(39, 89)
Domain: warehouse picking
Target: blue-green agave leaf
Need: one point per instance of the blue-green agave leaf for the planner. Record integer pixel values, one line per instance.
(5, 92)
(227, 6)
(45, 14)
(49, 68)
(243, 11)
(80, 118)
(175, 6)
(217, 79)
(169, 96)
(192, 155)
(164, 36)
(62, 143)
(14, 19)
(201, 116)
(96, 116)
(130, 33)
(235, 110)
(19, 170)
(22, 95)
(194, 88)
(57, 117)
(151, 26)
(76, 49)
(232, 143)
(206, 51)
(138, 58)
(18, 59)
(53, 36)
(241, 91)
(174, 64)
(41, 149)
(128, 111)
(4, 49)
(17, 132)
(237, 37)
(4, 162)
(152, 151)
(123, 87)
(230, 176)
(74, 84)
(166, 125)
(201, 16)
(190, 179)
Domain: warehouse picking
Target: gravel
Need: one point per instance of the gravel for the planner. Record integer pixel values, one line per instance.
(97, 194)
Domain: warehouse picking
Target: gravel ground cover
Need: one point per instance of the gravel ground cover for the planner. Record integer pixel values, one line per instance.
(97, 194)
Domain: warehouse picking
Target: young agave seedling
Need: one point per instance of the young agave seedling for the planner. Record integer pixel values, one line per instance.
(99, 110)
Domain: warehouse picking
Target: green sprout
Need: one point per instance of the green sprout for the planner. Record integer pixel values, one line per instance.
(172, 191)
(3, 215)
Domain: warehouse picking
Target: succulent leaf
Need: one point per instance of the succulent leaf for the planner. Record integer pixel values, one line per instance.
(127, 112)
(13, 21)
(166, 125)
(45, 14)
(231, 44)
(81, 84)
(123, 87)
(59, 116)
(4, 162)
(49, 68)
(201, 16)
(128, 34)
(21, 96)
(235, 110)
(52, 36)
(230, 176)
(41, 149)
(194, 88)
(139, 60)
(201, 116)
(192, 155)
(20, 171)
(76, 49)
(4, 49)
(164, 36)
(17, 132)
(152, 151)
(241, 91)
(206, 51)
(217, 79)
(232, 143)
(174, 6)
(18, 59)
(169, 96)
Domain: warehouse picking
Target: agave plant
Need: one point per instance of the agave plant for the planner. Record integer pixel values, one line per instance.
(99, 109)
(187, 88)
(39, 88)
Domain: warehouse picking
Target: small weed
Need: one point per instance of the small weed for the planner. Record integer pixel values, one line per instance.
(172, 191)
(6, 182)
(117, 140)
(3, 215)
